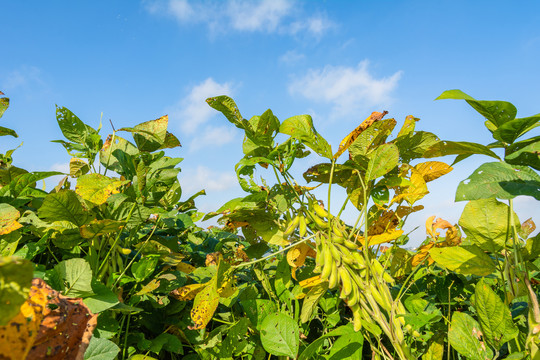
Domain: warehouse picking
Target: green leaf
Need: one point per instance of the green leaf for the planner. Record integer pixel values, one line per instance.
(301, 127)
(4, 104)
(144, 267)
(9, 243)
(494, 316)
(6, 131)
(280, 335)
(15, 281)
(414, 145)
(76, 276)
(25, 182)
(150, 135)
(466, 260)
(374, 135)
(511, 130)
(100, 227)
(115, 154)
(64, 205)
(101, 349)
(311, 300)
(167, 342)
(443, 148)
(102, 299)
(497, 112)
(312, 348)
(485, 223)
(435, 350)
(526, 152)
(464, 336)
(499, 180)
(257, 310)
(383, 159)
(347, 346)
(97, 188)
(72, 127)
(228, 107)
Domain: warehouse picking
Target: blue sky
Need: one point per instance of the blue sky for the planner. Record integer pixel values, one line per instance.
(338, 61)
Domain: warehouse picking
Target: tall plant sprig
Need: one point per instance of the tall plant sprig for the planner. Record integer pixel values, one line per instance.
(489, 224)
(375, 169)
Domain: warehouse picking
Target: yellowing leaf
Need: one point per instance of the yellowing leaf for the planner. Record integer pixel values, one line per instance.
(310, 282)
(414, 192)
(205, 305)
(97, 188)
(100, 227)
(421, 254)
(227, 288)
(349, 139)
(297, 256)
(185, 268)
(381, 238)
(148, 288)
(78, 167)
(188, 292)
(432, 170)
(8, 219)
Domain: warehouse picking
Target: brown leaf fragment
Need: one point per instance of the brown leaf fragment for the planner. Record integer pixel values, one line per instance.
(49, 326)
(528, 227)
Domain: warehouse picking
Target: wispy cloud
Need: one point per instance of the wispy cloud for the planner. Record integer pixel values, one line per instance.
(269, 16)
(193, 180)
(292, 57)
(348, 89)
(22, 77)
(214, 136)
(192, 111)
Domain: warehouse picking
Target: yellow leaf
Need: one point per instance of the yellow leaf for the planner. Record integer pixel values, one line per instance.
(433, 226)
(78, 167)
(227, 288)
(414, 192)
(297, 256)
(432, 170)
(381, 238)
(312, 281)
(185, 268)
(422, 253)
(205, 305)
(188, 292)
(8, 219)
(349, 139)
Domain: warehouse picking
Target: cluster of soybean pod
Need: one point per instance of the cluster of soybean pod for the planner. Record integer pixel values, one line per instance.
(362, 280)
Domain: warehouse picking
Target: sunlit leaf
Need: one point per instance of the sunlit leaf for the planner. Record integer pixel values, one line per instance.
(150, 135)
(499, 180)
(431, 170)
(8, 219)
(64, 205)
(187, 292)
(511, 130)
(466, 337)
(280, 335)
(100, 227)
(15, 278)
(444, 148)
(408, 126)
(526, 152)
(349, 139)
(78, 167)
(97, 188)
(466, 260)
(301, 127)
(204, 305)
(383, 159)
(311, 300)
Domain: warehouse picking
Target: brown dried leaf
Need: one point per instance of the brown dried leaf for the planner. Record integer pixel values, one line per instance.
(49, 326)
(213, 258)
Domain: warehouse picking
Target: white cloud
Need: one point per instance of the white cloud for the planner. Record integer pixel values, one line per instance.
(271, 16)
(292, 57)
(214, 136)
(22, 77)
(193, 111)
(346, 88)
(193, 180)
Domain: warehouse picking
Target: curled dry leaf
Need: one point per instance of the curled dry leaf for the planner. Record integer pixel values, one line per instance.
(213, 258)
(297, 256)
(349, 139)
(49, 326)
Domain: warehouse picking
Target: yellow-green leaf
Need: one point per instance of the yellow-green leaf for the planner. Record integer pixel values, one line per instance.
(205, 305)
(97, 188)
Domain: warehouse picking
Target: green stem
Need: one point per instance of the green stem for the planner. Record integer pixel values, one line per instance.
(126, 337)
(272, 254)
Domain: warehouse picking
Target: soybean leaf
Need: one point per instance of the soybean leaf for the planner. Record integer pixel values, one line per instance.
(25, 182)
(150, 135)
(15, 281)
(494, 316)
(435, 350)
(101, 349)
(114, 153)
(443, 148)
(144, 267)
(97, 188)
(383, 159)
(76, 276)
(312, 348)
(64, 205)
(311, 300)
(511, 130)
(465, 336)
(8, 219)
(100, 227)
(413, 145)
(466, 259)
(280, 335)
(4, 104)
(102, 299)
(6, 131)
(205, 304)
(72, 127)
(499, 180)
(526, 152)
(497, 112)
(347, 346)
(360, 139)
(485, 223)
(301, 127)
(257, 310)
(228, 107)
